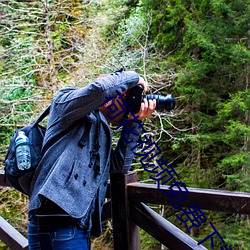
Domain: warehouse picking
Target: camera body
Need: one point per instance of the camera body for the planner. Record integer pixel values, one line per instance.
(135, 97)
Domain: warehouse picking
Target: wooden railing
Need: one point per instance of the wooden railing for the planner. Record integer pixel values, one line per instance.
(8, 234)
(129, 213)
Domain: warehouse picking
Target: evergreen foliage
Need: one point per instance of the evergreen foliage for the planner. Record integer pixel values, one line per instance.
(205, 45)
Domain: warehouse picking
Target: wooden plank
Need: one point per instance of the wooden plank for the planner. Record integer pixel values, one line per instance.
(161, 229)
(209, 199)
(11, 237)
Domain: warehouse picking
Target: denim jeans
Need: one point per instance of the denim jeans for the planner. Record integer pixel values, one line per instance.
(57, 238)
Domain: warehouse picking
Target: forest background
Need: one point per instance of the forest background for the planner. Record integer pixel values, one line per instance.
(198, 50)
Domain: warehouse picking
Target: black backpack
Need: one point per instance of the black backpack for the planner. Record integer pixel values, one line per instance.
(21, 179)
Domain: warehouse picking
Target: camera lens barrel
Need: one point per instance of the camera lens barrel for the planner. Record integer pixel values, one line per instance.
(135, 97)
(162, 102)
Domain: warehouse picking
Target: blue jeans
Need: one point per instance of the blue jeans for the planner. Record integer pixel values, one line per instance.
(57, 238)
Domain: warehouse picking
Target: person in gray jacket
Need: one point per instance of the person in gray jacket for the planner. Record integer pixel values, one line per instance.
(69, 186)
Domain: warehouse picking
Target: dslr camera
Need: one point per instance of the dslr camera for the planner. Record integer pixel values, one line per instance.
(135, 97)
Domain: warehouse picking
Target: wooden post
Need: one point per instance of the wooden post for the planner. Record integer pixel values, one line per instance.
(126, 233)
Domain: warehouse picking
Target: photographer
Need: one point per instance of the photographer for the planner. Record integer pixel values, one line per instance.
(69, 187)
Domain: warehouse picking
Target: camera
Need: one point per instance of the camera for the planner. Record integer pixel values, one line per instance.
(135, 97)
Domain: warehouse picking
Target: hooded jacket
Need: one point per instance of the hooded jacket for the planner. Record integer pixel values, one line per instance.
(72, 172)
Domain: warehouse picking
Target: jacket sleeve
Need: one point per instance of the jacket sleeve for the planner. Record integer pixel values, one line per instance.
(72, 105)
(123, 155)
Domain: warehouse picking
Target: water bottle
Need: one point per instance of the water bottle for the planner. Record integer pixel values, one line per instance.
(23, 156)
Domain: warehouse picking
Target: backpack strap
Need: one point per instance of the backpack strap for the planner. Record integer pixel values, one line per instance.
(43, 115)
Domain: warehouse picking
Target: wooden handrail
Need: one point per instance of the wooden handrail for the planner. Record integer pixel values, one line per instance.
(209, 199)
(11, 237)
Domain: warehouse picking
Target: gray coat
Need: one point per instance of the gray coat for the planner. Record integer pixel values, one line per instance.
(66, 174)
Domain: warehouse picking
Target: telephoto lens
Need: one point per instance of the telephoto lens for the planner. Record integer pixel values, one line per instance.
(162, 102)
(135, 97)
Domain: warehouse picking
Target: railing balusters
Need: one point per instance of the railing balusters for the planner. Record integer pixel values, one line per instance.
(161, 229)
